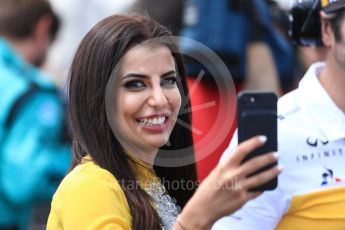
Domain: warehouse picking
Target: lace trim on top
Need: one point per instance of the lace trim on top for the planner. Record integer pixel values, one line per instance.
(164, 204)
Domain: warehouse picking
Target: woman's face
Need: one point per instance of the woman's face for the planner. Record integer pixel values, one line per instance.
(147, 99)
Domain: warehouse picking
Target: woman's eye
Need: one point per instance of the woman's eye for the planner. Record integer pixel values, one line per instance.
(135, 84)
(169, 81)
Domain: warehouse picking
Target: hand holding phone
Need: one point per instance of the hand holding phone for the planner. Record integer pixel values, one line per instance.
(257, 115)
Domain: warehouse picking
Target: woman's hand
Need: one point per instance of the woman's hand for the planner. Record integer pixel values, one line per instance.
(226, 189)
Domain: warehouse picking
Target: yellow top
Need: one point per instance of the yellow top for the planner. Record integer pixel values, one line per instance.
(90, 198)
(322, 209)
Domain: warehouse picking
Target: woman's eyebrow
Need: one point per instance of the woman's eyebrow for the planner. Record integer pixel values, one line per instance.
(139, 75)
(171, 72)
(135, 75)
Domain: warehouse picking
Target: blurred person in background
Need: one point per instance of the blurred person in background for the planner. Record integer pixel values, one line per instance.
(34, 154)
(250, 40)
(311, 142)
(234, 29)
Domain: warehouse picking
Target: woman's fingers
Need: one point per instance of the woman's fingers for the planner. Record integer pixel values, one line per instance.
(261, 178)
(257, 163)
(244, 148)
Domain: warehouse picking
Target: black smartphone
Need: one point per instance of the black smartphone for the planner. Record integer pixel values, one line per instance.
(257, 115)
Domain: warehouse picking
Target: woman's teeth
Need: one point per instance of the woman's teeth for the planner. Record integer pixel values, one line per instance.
(153, 121)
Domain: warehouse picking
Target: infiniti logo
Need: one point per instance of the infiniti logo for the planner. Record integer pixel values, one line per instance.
(314, 142)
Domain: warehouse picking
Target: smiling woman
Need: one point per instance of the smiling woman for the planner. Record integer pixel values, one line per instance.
(129, 105)
(147, 100)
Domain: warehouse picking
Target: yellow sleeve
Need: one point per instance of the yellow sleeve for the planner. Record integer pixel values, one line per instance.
(88, 201)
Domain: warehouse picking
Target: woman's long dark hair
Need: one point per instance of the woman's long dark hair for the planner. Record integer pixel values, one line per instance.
(98, 54)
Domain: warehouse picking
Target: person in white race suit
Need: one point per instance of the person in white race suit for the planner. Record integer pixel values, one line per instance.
(311, 144)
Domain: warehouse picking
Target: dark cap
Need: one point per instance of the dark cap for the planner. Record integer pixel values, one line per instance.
(332, 6)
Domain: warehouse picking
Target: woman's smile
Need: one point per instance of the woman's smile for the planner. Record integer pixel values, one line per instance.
(154, 123)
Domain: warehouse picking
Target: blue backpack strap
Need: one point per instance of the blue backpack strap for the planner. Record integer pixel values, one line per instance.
(33, 88)
(22, 99)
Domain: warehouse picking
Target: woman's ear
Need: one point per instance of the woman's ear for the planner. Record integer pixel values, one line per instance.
(326, 30)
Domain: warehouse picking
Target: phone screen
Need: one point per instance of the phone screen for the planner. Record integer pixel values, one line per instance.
(257, 115)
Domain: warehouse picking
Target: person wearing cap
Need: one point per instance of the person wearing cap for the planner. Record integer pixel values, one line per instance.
(311, 144)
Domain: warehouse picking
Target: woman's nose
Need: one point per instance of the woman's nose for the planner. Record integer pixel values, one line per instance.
(157, 97)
